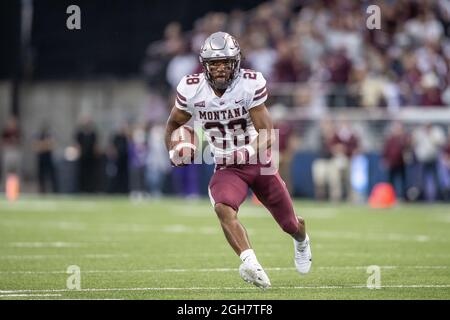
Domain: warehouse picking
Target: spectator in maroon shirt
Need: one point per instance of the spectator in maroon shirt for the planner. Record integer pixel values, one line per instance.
(339, 68)
(345, 140)
(344, 145)
(395, 146)
(431, 96)
(11, 133)
(289, 66)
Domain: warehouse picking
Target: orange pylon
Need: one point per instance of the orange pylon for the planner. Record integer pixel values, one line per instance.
(382, 196)
(12, 187)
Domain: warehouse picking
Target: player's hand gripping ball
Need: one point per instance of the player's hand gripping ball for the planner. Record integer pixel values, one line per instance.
(184, 145)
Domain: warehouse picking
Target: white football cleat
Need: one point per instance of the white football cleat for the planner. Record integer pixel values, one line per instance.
(303, 257)
(254, 273)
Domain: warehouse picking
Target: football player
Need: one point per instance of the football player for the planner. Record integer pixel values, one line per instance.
(229, 103)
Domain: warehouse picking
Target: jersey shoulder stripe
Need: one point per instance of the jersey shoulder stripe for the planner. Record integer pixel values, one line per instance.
(262, 95)
(181, 103)
(181, 97)
(255, 86)
(187, 89)
(260, 90)
(189, 85)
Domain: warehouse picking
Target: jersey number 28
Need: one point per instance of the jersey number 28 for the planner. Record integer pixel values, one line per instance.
(242, 131)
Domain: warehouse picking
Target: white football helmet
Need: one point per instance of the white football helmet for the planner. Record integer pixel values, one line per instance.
(220, 46)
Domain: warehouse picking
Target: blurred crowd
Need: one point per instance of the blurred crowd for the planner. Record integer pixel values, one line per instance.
(415, 161)
(323, 55)
(326, 48)
(134, 160)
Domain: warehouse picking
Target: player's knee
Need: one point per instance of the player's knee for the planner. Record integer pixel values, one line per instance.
(224, 212)
(220, 208)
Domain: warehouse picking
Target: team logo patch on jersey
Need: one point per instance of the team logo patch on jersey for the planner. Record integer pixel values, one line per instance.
(200, 104)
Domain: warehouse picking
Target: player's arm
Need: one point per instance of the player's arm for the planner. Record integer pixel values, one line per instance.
(264, 125)
(176, 119)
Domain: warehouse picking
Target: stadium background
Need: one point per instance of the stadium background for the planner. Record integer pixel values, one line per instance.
(119, 70)
(118, 73)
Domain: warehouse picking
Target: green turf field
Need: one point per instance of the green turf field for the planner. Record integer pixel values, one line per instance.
(175, 249)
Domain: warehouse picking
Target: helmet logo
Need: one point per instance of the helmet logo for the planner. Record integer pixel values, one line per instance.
(236, 45)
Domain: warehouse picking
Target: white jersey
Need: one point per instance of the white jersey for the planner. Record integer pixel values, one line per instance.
(225, 120)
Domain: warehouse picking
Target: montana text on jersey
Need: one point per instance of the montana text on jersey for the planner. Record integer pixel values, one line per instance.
(221, 116)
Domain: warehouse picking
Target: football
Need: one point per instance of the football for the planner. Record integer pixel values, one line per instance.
(184, 144)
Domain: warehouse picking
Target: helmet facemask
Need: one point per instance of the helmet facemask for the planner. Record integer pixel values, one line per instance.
(231, 69)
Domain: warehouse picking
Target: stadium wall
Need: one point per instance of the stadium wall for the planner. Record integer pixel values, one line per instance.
(110, 103)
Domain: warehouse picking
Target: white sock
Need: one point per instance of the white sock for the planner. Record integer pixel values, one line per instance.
(248, 256)
(301, 243)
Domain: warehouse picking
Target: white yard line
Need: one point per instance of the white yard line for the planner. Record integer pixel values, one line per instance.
(400, 286)
(58, 244)
(48, 256)
(49, 224)
(169, 270)
(29, 295)
(377, 236)
(213, 229)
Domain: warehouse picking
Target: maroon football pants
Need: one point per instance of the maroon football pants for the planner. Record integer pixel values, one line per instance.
(229, 186)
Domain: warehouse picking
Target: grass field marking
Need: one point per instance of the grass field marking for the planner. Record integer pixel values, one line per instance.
(377, 236)
(398, 286)
(445, 219)
(47, 256)
(55, 244)
(46, 224)
(370, 254)
(89, 298)
(258, 212)
(29, 295)
(221, 269)
(43, 205)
